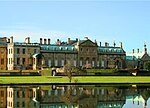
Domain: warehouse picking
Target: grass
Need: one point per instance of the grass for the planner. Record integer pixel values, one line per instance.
(51, 79)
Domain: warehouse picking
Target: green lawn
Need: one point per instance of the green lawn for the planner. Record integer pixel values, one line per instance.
(50, 79)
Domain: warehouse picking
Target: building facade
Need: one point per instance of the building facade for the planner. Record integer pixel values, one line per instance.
(3, 97)
(19, 55)
(20, 97)
(3, 53)
(80, 53)
(136, 59)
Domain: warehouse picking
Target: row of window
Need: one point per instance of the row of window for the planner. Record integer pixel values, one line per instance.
(19, 94)
(10, 51)
(10, 61)
(87, 49)
(111, 50)
(74, 92)
(81, 63)
(10, 94)
(58, 49)
(18, 104)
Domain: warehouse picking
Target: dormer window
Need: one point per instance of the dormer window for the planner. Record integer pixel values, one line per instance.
(67, 48)
(110, 50)
(61, 48)
(72, 48)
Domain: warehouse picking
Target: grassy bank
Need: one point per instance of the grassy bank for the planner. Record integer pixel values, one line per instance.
(50, 79)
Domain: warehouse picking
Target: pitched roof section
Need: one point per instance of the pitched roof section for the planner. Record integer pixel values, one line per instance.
(131, 58)
(110, 50)
(145, 57)
(58, 48)
(87, 42)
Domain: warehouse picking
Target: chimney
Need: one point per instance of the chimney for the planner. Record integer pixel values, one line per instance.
(145, 48)
(11, 39)
(120, 44)
(49, 41)
(45, 41)
(58, 42)
(40, 40)
(95, 41)
(106, 44)
(76, 39)
(100, 44)
(8, 40)
(132, 51)
(138, 50)
(27, 40)
(114, 44)
(68, 40)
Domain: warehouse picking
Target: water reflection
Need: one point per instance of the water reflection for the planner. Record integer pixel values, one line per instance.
(75, 96)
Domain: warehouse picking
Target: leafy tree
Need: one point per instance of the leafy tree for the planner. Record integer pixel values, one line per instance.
(147, 65)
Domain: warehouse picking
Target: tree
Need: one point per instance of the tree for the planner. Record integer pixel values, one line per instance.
(69, 70)
(147, 66)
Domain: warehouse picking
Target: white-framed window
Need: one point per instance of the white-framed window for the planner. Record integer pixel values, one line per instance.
(49, 92)
(56, 62)
(75, 63)
(86, 62)
(43, 62)
(56, 92)
(74, 91)
(68, 61)
(80, 62)
(62, 62)
(97, 63)
(102, 64)
(93, 91)
(62, 92)
(93, 63)
(49, 63)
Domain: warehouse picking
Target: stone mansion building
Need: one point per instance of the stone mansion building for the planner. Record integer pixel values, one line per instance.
(80, 53)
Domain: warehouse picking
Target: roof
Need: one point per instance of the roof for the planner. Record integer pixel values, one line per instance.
(145, 57)
(37, 55)
(103, 49)
(131, 58)
(58, 47)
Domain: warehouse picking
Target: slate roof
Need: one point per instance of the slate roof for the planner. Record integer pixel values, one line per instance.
(131, 58)
(58, 47)
(110, 50)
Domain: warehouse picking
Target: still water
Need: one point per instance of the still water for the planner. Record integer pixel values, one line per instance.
(75, 96)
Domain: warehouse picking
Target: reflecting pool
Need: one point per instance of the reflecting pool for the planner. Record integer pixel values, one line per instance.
(75, 96)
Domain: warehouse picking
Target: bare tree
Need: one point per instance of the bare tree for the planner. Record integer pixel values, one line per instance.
(69, 70)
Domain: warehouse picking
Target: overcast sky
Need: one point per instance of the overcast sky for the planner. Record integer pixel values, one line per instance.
(105, 21)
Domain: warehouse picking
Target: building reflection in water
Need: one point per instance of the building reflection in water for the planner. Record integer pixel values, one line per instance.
(72, 96)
